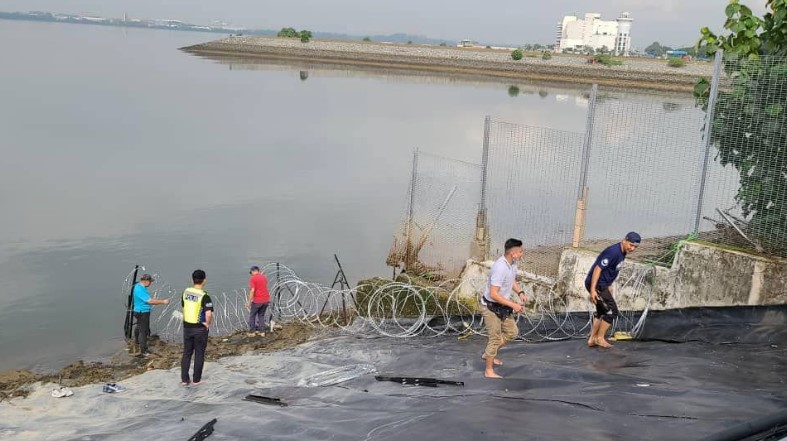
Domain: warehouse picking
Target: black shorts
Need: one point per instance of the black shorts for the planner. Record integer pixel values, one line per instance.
(606, 307)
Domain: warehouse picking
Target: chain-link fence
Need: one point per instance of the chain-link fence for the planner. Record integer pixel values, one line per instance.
(643, 174)
(531, 183)
(748, 143)
(438, 230)
(666, 168)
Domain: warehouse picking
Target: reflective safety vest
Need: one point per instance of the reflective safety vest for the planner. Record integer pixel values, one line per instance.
(192, 304)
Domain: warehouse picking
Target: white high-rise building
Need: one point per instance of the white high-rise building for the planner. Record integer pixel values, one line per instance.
(623, 39)
(592, 31)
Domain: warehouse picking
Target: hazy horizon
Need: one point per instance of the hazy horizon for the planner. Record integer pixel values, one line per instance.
(671, 22)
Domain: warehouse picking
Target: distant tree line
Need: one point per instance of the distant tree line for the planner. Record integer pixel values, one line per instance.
(657, 50)
(304, 35)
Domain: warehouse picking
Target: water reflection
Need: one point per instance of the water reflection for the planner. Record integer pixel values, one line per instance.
(177, 161)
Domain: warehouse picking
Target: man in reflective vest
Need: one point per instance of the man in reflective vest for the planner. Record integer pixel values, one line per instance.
(197, 316)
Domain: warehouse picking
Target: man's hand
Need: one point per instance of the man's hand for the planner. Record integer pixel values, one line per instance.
(166, 301)
(248, 305)
(523, 298)
(593, 296)
(205, 324)
(517, 308)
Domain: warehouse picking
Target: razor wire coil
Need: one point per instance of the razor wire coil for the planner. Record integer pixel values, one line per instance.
(396, 309)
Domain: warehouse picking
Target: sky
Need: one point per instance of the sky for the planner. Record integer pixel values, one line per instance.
(671, 22)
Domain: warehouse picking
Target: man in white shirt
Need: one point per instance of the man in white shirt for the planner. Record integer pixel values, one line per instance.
(498, 307)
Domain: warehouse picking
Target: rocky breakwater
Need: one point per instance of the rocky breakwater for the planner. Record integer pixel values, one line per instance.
(634, 73)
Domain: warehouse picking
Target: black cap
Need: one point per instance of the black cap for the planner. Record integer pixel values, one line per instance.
(633, 238)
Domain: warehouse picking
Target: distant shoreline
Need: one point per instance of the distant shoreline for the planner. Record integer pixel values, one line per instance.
(634, 74)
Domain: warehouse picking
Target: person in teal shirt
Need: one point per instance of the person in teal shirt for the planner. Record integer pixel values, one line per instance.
(143, 303)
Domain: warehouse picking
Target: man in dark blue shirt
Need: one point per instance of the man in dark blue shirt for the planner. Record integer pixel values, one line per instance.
(599, 284)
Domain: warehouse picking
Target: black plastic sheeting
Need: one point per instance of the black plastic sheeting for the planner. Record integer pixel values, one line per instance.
(721, 325)
(730, 369)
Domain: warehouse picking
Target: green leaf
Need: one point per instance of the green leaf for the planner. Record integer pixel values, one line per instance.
(779, 16)
(779, 70)
(732, 9)
(774, 110)
(701, 88)
(745, 10)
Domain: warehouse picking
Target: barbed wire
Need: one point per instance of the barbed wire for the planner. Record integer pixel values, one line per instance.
(398, 309)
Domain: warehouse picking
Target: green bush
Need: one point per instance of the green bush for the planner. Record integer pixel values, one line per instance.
(516, 54)
(399, 301)
(288, 33)
(676, 62)
(607, 60)
(546, 56)
(367, 39)
(304, 35)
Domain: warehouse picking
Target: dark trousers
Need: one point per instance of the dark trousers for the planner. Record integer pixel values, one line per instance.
(195, 340)
(142, 330)
(257, 317)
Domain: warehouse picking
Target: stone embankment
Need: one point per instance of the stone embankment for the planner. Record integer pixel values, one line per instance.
(634, 73)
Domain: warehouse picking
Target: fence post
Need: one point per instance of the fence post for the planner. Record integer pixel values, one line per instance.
(409, 258)
(714, 91)
(583, 190)
(480, 246)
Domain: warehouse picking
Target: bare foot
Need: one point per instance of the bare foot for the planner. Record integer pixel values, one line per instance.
(491, 374)
(592, 342)
(497, 361)
(603, 343)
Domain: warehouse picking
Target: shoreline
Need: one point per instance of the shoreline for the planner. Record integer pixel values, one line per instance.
(18, 383)
(642, 74)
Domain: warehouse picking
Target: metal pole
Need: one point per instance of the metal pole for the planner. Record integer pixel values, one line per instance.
(276, 295)
(709, 113)
(481, 240)
(128, 325)
(408, 250)
(485, 162)
(583, 190)
(587, 143)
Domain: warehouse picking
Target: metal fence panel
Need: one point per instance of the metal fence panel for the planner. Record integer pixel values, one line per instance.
(644, 171)
(440, 223)
(749, 136)
(531, 191)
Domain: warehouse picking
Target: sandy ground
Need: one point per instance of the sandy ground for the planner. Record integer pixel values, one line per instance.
(19, 383)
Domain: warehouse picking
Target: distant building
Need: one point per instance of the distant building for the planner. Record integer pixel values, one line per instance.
(575, 33)
(468, 43)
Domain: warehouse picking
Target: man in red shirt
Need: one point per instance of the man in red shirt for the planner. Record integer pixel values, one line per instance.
(258, 301)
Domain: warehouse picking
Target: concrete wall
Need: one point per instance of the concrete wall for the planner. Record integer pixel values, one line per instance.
(701, 275)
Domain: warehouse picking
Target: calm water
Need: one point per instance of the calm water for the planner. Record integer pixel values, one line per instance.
(119, 149)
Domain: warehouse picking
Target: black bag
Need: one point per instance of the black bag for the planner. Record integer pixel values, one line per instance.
(501, 311)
